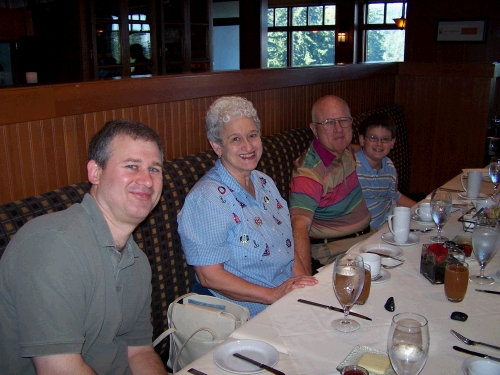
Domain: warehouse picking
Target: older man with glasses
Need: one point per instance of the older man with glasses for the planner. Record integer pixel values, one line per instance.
(328, 211)
(376, 172)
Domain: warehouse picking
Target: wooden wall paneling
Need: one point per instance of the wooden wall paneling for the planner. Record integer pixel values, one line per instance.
(6, 180)
(40, 167)
(15, 161)
(447, 113)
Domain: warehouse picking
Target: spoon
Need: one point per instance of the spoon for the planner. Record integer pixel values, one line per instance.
(424, 230)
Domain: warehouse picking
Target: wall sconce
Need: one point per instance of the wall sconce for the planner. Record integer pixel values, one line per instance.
(342, 37)
(400, 22)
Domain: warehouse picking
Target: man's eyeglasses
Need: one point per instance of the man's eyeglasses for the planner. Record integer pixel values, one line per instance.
(329, 123)
(375, 139)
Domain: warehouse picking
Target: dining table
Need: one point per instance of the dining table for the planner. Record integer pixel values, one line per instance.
(307, 344)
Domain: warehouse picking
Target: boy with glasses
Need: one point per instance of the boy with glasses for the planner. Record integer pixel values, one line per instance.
(376, 172)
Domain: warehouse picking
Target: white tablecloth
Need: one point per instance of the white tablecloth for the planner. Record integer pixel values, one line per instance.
(308, 345)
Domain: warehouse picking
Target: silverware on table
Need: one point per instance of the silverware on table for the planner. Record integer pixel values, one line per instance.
(195, 371)
(467, 341)
(423, 230)
(333, 308)
(385, 255)
(452, 190)
(261, 365)
(391, 267)
(482, 355)
(487, 291)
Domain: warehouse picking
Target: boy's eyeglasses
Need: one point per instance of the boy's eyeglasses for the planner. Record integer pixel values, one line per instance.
(329, 123)
(375, 139)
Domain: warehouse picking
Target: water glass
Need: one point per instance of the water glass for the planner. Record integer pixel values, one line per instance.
(408, 343)
(485, 245)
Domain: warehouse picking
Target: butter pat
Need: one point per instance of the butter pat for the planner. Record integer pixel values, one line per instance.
(374, 363)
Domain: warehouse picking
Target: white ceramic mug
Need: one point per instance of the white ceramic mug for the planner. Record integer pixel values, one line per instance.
(424, 211)
(399, 224)
(474, 179)
(484, 367)
(374, 261)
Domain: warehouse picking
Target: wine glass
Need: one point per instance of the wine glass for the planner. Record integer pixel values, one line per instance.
(494, 172)
(485, 244)
(441, 202)
(408, 343)
(348, 280)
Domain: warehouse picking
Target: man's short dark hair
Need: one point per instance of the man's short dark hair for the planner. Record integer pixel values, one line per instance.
(375, 120)
(99, 144)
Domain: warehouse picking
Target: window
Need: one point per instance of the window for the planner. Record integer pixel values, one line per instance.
(383, 40)
(301, 36)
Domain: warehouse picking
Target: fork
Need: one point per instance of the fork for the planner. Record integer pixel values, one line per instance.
(467, 341)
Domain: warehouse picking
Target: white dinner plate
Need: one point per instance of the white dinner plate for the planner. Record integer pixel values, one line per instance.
(258, 350)
(463, 195)
(389, 238)
(417, 220)
(386, 276)
(386, 249)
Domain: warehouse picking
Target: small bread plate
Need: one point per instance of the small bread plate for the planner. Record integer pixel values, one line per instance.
(258, 350)
(389, 238)
(357, 352)
(386, 249)
(463, 195)
(384, 276)
(417, 220)
(468, 361)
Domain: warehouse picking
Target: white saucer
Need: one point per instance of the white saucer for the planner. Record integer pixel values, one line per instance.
(417, 220)
(386, 276)
(463, 195)
(468, 361)
(389, 238)
(386, 249)
(257, 350)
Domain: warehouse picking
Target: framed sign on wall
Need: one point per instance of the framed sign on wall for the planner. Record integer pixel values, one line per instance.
(461, 31)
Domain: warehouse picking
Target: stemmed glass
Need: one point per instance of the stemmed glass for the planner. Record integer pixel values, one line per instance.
(485, 244)
(408, 343)
(494, 172)
(441, 202)
(348, 280)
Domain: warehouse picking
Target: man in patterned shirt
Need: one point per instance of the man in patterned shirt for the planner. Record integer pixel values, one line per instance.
(327, 207)
(376, 172)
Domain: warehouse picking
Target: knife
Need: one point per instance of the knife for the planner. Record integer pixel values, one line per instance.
(487, 291)
(333, 308)
(493, 358)
(261, 365)
(196, 372)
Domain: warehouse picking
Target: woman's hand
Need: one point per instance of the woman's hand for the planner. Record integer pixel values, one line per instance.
(292, 283)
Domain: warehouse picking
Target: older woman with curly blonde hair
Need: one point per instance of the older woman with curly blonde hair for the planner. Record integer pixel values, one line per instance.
(234, 225)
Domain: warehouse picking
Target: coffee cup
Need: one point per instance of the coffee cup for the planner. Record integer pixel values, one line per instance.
(373, 260)
(399, 224)
(474, 179)
(424, 211)
(482, 367)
